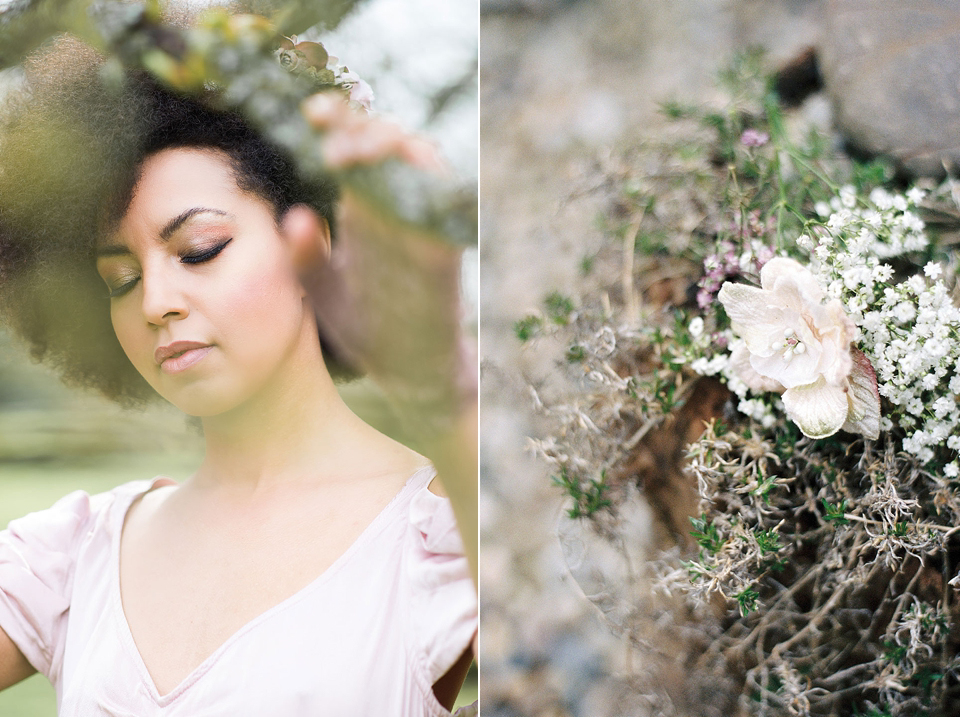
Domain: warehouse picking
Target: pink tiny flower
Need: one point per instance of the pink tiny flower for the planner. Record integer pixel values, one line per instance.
(362, 94)
(764, 254)
(753, 138)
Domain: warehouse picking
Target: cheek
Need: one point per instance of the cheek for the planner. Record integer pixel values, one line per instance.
(125, 327)
(265, 308)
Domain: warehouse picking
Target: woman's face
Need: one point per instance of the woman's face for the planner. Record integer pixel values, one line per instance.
(204, 297)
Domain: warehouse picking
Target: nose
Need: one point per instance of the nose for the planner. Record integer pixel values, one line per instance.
(163, 298)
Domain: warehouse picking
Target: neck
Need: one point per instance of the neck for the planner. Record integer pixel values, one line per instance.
(296, 428)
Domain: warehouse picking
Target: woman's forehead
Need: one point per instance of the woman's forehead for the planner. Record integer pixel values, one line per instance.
(181, 188)
(177, 174)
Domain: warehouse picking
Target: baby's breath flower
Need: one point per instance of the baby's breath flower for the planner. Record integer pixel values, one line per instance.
(696, 327)
(933, 270)
(915, 195)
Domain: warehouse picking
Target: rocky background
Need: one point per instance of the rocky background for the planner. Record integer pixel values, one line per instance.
(564, 86)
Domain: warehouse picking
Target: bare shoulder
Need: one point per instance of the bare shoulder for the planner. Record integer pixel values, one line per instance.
(146, 506)
(383, 458)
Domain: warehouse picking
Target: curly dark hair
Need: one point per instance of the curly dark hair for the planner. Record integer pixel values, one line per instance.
(71, 146)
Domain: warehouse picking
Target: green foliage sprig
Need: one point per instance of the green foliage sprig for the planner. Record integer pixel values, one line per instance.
(236, 53)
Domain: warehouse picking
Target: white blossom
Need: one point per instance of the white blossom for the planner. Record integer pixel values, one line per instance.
(795, 338)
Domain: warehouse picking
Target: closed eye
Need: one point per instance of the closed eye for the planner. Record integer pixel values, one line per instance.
(199, 257)
(202, 256)
(114, 292)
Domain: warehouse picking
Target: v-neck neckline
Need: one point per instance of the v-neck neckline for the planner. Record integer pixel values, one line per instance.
(412, 483)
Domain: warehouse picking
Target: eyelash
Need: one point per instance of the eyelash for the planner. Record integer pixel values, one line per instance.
(198, 258)
(203, 256)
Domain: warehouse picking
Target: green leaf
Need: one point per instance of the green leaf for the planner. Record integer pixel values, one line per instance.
(707, 534)
(558, 307)
(747, 600)
(527, 327)
(835, 514)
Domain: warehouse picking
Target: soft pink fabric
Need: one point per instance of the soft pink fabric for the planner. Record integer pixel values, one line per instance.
(367, 638)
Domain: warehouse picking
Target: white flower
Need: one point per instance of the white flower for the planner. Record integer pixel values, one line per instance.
(933, 270)
(905, 312)
(710, 367)
(848, 196)
(696, 327)
(743, 370)
(795, 338)
(881, 198)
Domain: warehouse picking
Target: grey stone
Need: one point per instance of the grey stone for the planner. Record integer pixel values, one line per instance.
(892, 70)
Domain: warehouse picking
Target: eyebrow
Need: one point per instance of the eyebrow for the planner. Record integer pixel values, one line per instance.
(181, 219)
(168, 229)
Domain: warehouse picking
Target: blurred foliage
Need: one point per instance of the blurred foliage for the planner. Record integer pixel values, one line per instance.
(235, 52)
(26, 24)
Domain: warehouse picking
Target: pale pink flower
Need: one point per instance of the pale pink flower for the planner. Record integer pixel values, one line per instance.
(362, 94)
(798, 340)
(754, 138)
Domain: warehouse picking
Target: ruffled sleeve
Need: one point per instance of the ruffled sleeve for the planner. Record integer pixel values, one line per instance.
(37, 558)
(443, 598)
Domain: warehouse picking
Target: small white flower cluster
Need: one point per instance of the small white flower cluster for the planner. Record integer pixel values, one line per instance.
(702, 342)
(719, 364)
(910, 330)
(711, 366)
(886, 226)
(756, 407)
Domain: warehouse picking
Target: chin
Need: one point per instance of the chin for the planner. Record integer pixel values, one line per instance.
(202, 401)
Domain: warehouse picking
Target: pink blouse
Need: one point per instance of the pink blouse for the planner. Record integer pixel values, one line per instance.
(367, 638)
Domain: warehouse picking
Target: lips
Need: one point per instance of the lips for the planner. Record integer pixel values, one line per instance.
(180, 355)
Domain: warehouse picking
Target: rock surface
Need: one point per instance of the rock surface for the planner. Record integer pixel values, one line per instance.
(892, 70)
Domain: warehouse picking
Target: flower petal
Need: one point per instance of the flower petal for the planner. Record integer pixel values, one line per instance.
(781, 271)
(863, 415)
(834, 331)
(800, 370)
(819, 409)
(740, 359)
(758, 322)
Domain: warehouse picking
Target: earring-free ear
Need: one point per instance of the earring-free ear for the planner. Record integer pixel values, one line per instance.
(308, 235)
